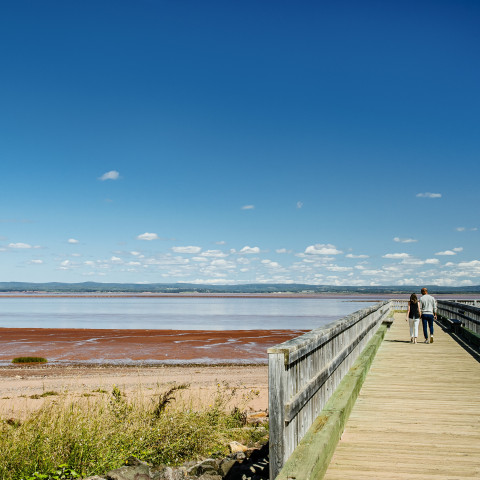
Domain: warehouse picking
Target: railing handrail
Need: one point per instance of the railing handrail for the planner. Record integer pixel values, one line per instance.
(298, 347)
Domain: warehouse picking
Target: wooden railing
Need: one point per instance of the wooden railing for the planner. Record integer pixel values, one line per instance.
(398, 304)
(468, 315)
(472, 302)
(305, 371)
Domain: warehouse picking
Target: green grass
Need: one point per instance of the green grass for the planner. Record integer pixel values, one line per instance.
(44, 394)
(92, 435)
(29, 360)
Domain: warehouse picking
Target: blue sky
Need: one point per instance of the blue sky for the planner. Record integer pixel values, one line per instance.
(229, 142)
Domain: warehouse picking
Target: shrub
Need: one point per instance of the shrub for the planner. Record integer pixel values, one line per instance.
(29, 360)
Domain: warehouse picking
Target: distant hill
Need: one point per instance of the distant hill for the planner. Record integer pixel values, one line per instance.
(93, 287)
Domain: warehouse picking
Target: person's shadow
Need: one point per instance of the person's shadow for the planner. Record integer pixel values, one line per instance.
(398, 341)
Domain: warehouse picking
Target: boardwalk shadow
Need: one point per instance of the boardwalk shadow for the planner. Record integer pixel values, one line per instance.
(473, 351)
(397, 341)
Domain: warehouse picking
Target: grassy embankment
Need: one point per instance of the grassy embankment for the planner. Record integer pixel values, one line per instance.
(99, 431)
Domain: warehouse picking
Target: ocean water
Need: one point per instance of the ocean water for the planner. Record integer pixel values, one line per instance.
(205, 313)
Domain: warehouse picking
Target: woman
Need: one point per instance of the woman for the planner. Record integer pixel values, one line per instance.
(413, 316)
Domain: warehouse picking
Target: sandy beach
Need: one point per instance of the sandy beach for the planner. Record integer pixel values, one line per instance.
(21, 386)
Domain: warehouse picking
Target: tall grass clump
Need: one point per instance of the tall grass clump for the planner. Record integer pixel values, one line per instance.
(96, 434)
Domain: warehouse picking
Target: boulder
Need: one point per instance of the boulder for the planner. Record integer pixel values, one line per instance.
(237, 447)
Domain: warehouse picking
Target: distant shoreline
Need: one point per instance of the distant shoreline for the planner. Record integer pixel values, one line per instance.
(346, 296)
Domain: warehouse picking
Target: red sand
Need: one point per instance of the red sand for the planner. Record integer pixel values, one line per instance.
(119, 346)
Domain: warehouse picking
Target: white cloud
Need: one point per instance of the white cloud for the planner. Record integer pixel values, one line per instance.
(212, 281)
(270, 263)
(337, 268)
(147, 236)
(111, 175)
(282, 250)
(248, 207)
(199, 259)
(396, 255)
(429, 195)
(188, 249)
(446, 252)
(404, 240)
(221, 263)
(432, 261)
(464, 229)
(372, 272)
(213, 253)
(248, 249)
(72, 240)
(36, 262)
(221, 242)
(322, 249)
(299, 204)
(458, 249)
(135, 254)
(114, 259)
(19, 245)
(471, 264)
(351, 255)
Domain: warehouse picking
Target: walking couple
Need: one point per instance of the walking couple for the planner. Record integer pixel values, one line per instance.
(426, 309)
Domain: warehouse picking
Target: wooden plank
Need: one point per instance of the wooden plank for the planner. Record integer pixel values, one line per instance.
(417, 416)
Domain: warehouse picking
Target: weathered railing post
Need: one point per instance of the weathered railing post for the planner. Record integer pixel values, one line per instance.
(276, 405)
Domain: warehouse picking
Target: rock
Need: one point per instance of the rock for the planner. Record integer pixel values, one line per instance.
(208, 466)
(168, 473)
(134, 461)
(226, 464)
(138, 472)
(238, 456)
(237, 447)
(257, 418)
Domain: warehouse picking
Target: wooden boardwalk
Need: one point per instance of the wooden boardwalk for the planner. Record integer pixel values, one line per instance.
(417, 415)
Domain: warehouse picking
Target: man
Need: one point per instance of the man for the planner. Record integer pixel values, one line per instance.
(428, 306)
